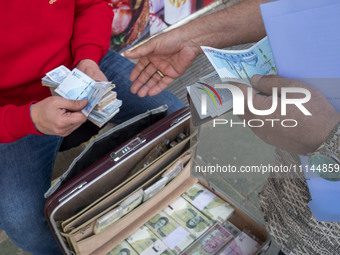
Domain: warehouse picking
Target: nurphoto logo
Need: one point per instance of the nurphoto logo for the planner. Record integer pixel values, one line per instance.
(239, 104)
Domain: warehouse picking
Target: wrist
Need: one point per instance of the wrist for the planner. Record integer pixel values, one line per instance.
(83, 63)
(31, 115)
(190, 36)
(332, 143)
(325, 160)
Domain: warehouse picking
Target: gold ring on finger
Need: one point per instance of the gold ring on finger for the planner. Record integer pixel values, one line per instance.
(160, 73)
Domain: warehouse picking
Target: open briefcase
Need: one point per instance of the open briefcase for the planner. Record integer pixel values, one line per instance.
(86, 208)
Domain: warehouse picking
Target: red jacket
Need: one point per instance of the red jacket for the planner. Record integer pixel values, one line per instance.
(36, 37)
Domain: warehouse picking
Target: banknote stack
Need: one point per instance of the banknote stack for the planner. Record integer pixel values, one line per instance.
(140, 196)
(211, 242)
(231, 228)
(219, 241)
(173, 235)
(108, 219)
(196, 223)
(208, 203)
(209, 97)
(153, 189)
(75, 85)
(122, 209)
(241, 245)
(123, 249)
(177, 166)
(145, 242)
(188, 216)
(166, 177)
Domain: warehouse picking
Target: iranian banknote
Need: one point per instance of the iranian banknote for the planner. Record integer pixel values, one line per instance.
(102, 116)
(211, 242)
(235, 231)
(102, 105)
(123, 249)
(242, 64)
(208, 203)
(77, 86)
(170, 232)
(231, 66)
(155, 188)
(188, 216)
(108, 219)
(132, 202)
(177, 166)
(145, 242)
(55, 77)
(241, 245)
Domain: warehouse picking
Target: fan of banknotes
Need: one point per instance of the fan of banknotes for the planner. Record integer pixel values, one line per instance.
(75, 85)
(210, 101)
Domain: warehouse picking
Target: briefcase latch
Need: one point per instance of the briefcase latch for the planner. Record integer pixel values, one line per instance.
(131, 146)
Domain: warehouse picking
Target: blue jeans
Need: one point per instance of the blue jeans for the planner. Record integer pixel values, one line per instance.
(26, 166)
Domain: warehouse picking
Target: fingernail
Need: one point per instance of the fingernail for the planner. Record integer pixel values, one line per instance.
(127, 51)
(255, 79)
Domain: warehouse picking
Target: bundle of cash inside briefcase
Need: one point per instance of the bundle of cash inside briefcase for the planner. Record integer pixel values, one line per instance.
(141, 198)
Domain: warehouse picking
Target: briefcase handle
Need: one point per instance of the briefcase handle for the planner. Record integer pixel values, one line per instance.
(131, 146)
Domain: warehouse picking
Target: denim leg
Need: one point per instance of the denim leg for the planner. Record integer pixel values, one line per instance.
(117, 69)
(25, 174)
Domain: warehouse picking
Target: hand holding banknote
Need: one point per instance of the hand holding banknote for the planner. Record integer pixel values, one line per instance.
(310, 131)
(91, 68)
(58, 116)
(76, 85)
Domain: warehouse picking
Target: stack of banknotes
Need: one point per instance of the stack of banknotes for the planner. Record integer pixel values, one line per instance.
(140, 196)
(207, 96)
(75, 85)
(196, 223)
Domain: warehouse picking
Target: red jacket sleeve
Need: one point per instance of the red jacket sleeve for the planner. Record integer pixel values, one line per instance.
(92, 29)
(15, 123)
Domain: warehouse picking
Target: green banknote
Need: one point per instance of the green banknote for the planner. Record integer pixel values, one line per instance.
(145, 242)
(188, 216)
(170, 232)
(132, 202)
(208, 203)
(122, 249)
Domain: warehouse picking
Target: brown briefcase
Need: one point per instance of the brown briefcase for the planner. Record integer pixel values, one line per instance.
(105, 174)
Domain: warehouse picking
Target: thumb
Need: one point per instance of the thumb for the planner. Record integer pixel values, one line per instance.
(265, 84)
(73, 105)
(140, 51)
(259, 101)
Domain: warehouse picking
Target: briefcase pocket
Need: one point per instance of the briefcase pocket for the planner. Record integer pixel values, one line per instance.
(122, 187)
(102, 242)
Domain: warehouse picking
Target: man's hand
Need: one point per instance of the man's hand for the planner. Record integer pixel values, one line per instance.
(90, 68)
(310, 131)
(169, 53)
(58, 116)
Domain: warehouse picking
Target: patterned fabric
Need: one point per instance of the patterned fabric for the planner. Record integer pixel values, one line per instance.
(284, 202)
